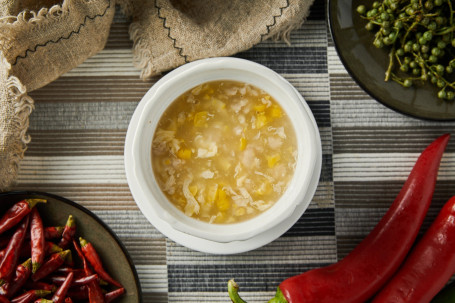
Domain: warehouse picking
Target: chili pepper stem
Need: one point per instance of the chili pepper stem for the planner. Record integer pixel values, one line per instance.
(32, 202)
(35, 266)
(233, 290)
(279, 297)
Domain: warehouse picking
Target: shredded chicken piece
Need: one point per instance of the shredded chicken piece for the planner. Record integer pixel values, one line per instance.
(279, 131)
(207, 174)
(269, 178)
(169, 186)
(192, 206)
(164, 141)
(261, 205)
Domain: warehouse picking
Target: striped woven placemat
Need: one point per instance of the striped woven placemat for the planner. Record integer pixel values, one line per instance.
(79, 126)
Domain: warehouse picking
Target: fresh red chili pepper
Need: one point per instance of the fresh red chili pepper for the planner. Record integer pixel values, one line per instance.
(80, 281)
(112, 295)
(55, 261)
(30, 296)
(94, 291)
(4, 299)
(68, 232)
(368, 267)
(429, 265)
(37, 240)
(17, 212)
(23, 272)
(9, 261)
(53, 232)
(94, 260)
(60, 294)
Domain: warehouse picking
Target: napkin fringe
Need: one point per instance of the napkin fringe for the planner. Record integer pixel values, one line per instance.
(23, 105)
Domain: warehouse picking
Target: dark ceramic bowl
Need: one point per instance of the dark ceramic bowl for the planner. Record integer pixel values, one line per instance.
(367, 65)
(114, 255)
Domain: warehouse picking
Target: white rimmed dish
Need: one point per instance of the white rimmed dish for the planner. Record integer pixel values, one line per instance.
(221, 238)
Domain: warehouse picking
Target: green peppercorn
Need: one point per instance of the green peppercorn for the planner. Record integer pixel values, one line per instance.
(442, 94)
(407, 83)
(361, 9)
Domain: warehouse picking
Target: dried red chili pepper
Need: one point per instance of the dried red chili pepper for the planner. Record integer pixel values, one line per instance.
(68, 300)
(30, 296)
(37, 240)
(69, 259)
(17, 212)
(367, 268)
(112, 295)
(76, 282)
(4, 299)
(60, 294)
(78, 293)
(49, 248)
(94, 291)
(94, 260)
(53, 232)
(55, 261)
(68, 232)
(429, 265)
(9, 261)
(23, 272)
(40, 285)
(78, 272)
(4, 241)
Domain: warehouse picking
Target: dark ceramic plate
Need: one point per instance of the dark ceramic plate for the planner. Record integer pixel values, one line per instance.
(116, 259)
(367, 64)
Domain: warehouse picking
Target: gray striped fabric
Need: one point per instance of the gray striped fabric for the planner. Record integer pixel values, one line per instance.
(78, 130)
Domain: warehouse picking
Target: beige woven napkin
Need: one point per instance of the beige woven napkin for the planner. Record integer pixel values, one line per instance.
(42, 39)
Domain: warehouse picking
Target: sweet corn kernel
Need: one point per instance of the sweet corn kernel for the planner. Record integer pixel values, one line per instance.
(242, 143)
(200, 119)
(261, 120)
(221, 194)
(272, 160)
(259, 107)
(241, 211)
(167, 161)
(193, 189)
(184, 153)
(275, 112)
(223, 204)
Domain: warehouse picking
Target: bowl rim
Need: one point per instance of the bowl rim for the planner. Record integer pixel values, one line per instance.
(132, 145)
(96, 218)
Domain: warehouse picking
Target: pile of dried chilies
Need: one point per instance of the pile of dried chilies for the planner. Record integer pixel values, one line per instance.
(48, 273)
(383, 267)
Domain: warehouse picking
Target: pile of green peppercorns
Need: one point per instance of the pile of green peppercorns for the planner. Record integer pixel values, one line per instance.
(420, 38)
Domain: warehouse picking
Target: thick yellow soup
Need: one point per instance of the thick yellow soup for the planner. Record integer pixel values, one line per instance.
(224, 152)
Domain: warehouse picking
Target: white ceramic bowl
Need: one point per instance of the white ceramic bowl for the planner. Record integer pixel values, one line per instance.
(188, 231)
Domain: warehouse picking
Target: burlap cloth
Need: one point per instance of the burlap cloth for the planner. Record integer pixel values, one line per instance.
(42, 39)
